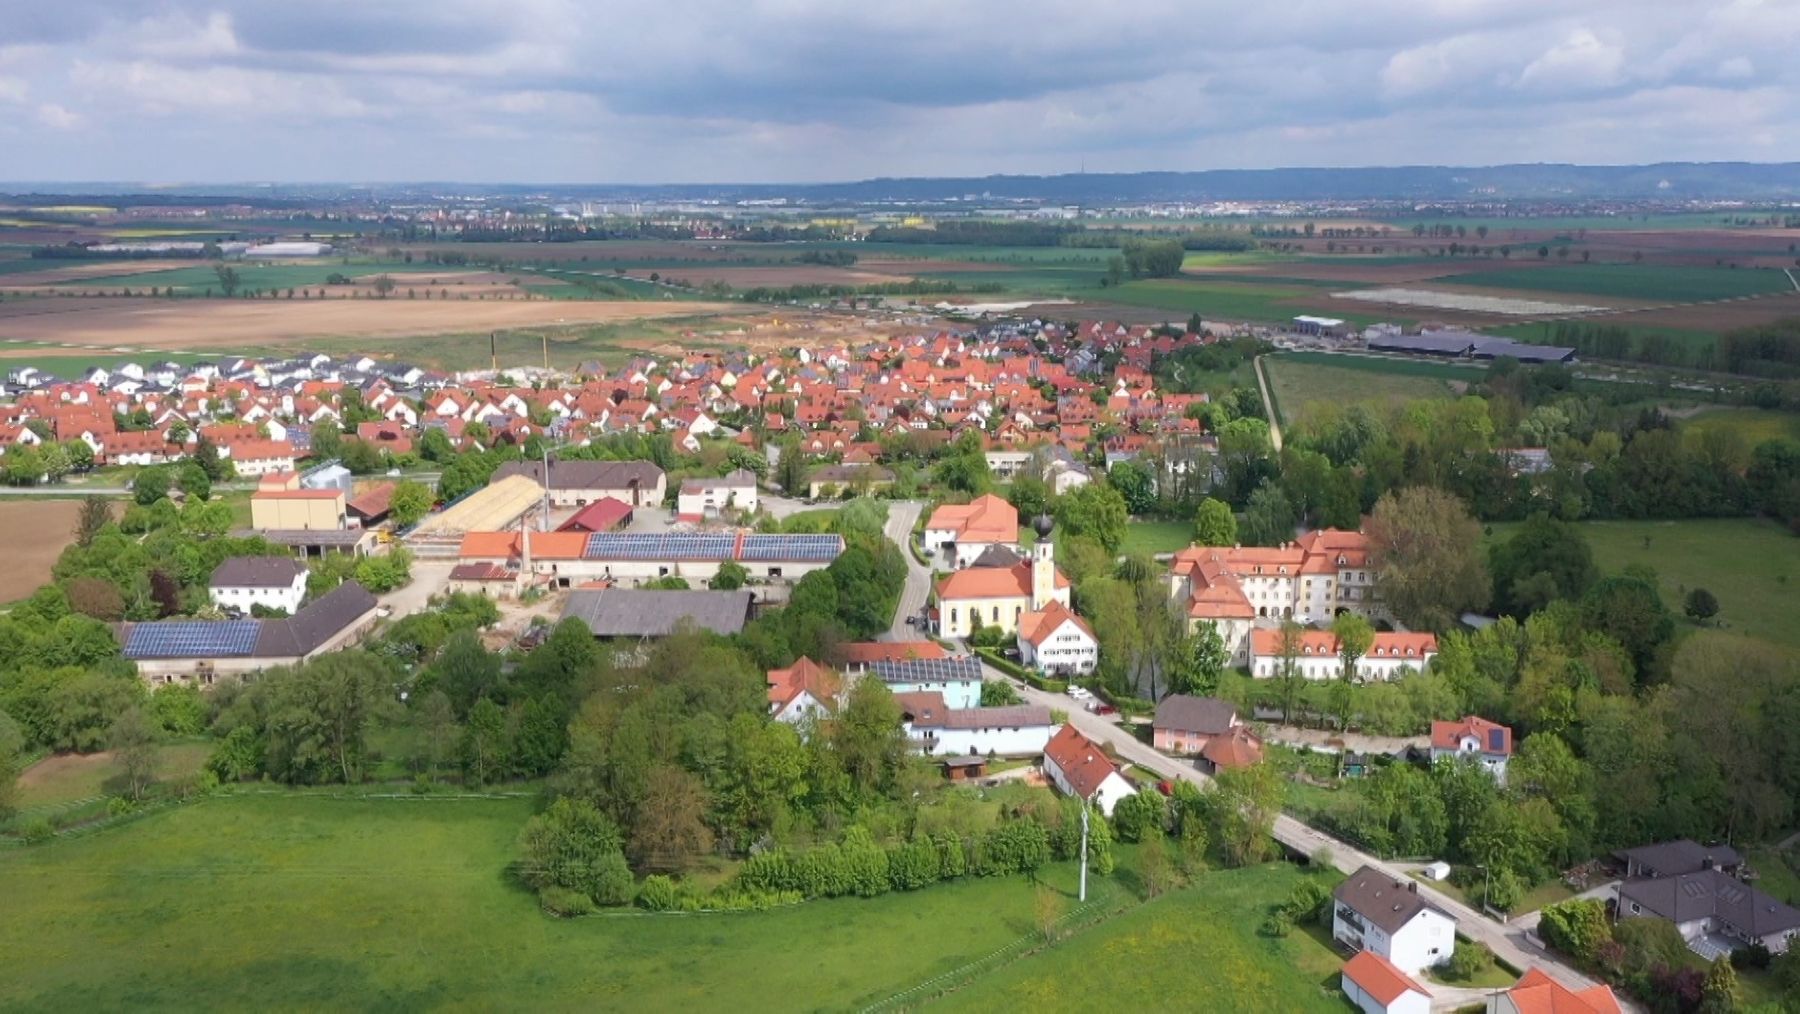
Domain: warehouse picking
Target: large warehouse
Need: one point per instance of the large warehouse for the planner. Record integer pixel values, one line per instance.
(1461, 344)
(566, 559)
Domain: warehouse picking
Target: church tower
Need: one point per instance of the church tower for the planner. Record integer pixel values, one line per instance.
(1043, 565)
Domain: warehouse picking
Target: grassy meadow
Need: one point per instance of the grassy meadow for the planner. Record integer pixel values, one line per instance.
(1657, 283)
(1298, 384)
(1156, 536)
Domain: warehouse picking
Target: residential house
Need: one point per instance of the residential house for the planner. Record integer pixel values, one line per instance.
(273, 582)
(1081, 769)
(959, 532)
(1473, 736)
(936, 728)
(857, 656)
(1375, 911)
(1538, 993)
(1715, 913)
(1376, 986)
(711, 497)
(803, 690)
(1207, 727)
(957, 678)
(835, 480)
(1674, 858)
(1056, 640)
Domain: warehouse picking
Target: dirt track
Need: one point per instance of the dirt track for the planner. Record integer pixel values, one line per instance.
(235, 324)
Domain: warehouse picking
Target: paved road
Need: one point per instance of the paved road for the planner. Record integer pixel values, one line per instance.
(1507, 942)
(429, 577)
(902, 515)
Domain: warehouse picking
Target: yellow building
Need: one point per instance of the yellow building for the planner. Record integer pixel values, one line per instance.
(297, 509)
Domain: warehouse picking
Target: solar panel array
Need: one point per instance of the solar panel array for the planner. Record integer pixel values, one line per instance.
(658, 546)
(800, 548)
(927, 670)
(1496, 740)
(192, 639)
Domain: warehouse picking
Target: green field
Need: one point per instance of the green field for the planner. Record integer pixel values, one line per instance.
(303, 901)
(252, 276)
(1223, 300)
(1156, 536)
(1195, 949)
(1297, 384)
(1653, 282)
(1752, 566)
(1754, 425)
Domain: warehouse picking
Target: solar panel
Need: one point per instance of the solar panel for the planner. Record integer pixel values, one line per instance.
(657, 546)
(800, 548)
(1496, 741)
(916, 670)
(192, 638)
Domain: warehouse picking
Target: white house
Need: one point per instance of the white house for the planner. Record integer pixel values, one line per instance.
(1057, 641)
(1374, 911)
(803, 690)
(273, 582)
(1080, 768)
(1375, 986)
(1014, 731)
(957, 678)
(1473, 736)
(1316, 655)
(701, 498)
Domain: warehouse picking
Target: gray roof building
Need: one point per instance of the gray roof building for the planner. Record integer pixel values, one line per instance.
(256, 572)
(1674, 858)
(584, 474)
(621, 612)
(1380, 899)
(1207, 716)
(1709, 894)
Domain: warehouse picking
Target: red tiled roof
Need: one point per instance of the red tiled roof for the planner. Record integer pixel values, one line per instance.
(1082, 763)
(1377, 976)
(1448, 735)
(600, 516)
(865, 652)
(1035, 627)
(804, 675)
(1537, 993)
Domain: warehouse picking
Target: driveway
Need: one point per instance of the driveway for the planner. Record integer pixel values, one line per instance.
(1507, 942)
(429, 577)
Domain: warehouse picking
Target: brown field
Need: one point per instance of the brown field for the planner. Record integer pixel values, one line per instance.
(599, 250)
(1350, 271)
(237, 324)
(76, 272)
(32, 535)
(773, 276)
(1724, 316)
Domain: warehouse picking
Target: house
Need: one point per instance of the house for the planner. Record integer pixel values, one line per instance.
(202, 651)
(1715, 913)
(957, 678)
(1537, 993)
(631, 613)
(579, 483)
(959, 532)
(803, 690)
(711, 497)
(1081, 769)
(1674, 858)
(1473, 736)
(857, 656)
(260, 457)
(606, 514)
(494, 580)
(1205, 726)
(1323, 573)
(836, 480)
(1376, 911)
(1055, 640)
(1375, 986)
(1316, 655)
(1000, 596)
(273, 582)
(569, 558)
(1020, 730)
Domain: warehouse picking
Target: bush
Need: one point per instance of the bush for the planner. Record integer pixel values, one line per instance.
(37, 832)
(1140, 816)
(1755, 955)
(1019, 846)
(1577, 928)
(1466, 962)
(573, 845)
(912, 865)
(658, 894)
(565, 903)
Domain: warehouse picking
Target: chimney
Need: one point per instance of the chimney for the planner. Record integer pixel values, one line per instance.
(1412, 886)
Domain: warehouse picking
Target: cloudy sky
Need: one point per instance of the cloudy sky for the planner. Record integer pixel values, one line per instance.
(774, 90)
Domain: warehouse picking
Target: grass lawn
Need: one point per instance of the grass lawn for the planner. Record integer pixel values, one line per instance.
(1747, 563)
(1755, 425)
(1297, 385)
(70, 789)
(1196, 949)
(1156, 536)
(1654, 282)
(1778, 873)
(305, 901)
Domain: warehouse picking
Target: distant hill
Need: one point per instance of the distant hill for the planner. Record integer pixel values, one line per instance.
(1671, 181)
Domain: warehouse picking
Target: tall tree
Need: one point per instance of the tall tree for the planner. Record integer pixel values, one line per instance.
(1247, 801)
(12, 745)
(95, 514)
(868, 738)
(1214, 524)
(671, 821)
(1201, 659)
(1428, 558)
(132, 740)
(1287, 672)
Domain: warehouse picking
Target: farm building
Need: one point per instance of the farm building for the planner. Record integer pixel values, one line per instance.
(169, 651)
(497, 507)
(566, 559)
(1324, 327)
(711, 497)
(624, 613)
(273, 582)
(957, 680)
(934, 727)
(1457, 343)
(579, 483)
(858, 656)
(603, 515)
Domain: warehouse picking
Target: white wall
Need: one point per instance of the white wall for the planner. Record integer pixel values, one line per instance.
(1409, 1002)
(1068, 648)
(287, 597)
(1007, 741)
(957, 693)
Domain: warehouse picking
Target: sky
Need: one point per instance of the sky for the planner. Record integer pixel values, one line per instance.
(688, 91)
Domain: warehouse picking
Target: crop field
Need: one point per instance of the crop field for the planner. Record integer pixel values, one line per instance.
(1651, 282)
(290, 900)
(1201, 943)
(33, 533)
(1754, 425)
(1298, 385)
(1752, 566)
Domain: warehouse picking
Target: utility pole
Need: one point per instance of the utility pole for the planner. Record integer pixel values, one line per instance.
(1084, 841)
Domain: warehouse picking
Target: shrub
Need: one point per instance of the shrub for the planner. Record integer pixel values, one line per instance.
(1466, 962)
(1019, 846)
(1754, 955)
(565, 903)
(1140, 816)
(912, 865)
(953, 857)
(1577, 928)
(658, 894)
(573, 845)
(865, 864)
(37, 832)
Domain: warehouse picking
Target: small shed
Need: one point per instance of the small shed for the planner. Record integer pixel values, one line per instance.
(1439, 870)
(964, 769)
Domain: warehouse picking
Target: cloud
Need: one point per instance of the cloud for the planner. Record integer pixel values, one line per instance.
(747, 90)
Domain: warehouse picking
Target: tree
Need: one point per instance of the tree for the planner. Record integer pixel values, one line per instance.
(1096, 511)
(1354, 635)
(132, 739)
(1288, 676)
(1428, 552)
(319, 716)
(434, 446)
(328, 439)
(1544, 560)
(1629, 610)
(229, 279)
(484, 743)
(360, 456)
(384, 285)
(95, 514)
(1269, 517)
(411, 501)
(574, 846)
(1719, 992)
(1135, 485)
(1048, 908)
(150, 485)
(1246, 802)
(998, 694)
(1201, 660)
(868, 738)
(1214, 524)
(12, 745)
(1700, 605)
(670, 829)
(730, 577)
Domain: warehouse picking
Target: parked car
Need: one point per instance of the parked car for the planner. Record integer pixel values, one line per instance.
(1103, 708)
(1079, 692)
(912, 621)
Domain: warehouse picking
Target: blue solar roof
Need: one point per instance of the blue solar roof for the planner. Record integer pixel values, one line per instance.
(793, 547)
(656, 546)
(192, 639)
(927, 670)
(1496, 740)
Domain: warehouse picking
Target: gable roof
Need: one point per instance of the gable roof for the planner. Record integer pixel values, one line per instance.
(1495, 739)
(992, 583)
(1238, 748)
(1207, 716)
(1537, 993)
(599, 516)
(1083, 764)
(256, 572)
(987, 518)
(1012, 716)
(1684, 855)
(583, 474)
(1379, 978)
(868, 652)
(1709, 893)
(1037, 627)
(1383, 900)
(629, 612)
(806, 676)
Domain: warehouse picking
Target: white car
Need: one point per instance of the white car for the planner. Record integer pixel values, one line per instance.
(1080, 693)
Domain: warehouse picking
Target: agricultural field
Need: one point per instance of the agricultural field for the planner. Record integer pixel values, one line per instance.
(1753, 425)
(75, 786)
(1651, 282)
(1202, 944)
(33, 533)
(311, 901)
(1297, 384)
(1752, 566)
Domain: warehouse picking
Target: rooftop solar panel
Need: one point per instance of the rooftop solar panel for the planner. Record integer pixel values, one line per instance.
(807, 548)
(936, 670)
(192, 639)
(1496, 740)
(658, 546)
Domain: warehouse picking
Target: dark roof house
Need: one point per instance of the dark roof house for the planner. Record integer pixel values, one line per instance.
(256, 572)
(1207, 716)
(1380, 899)
(622, 612)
